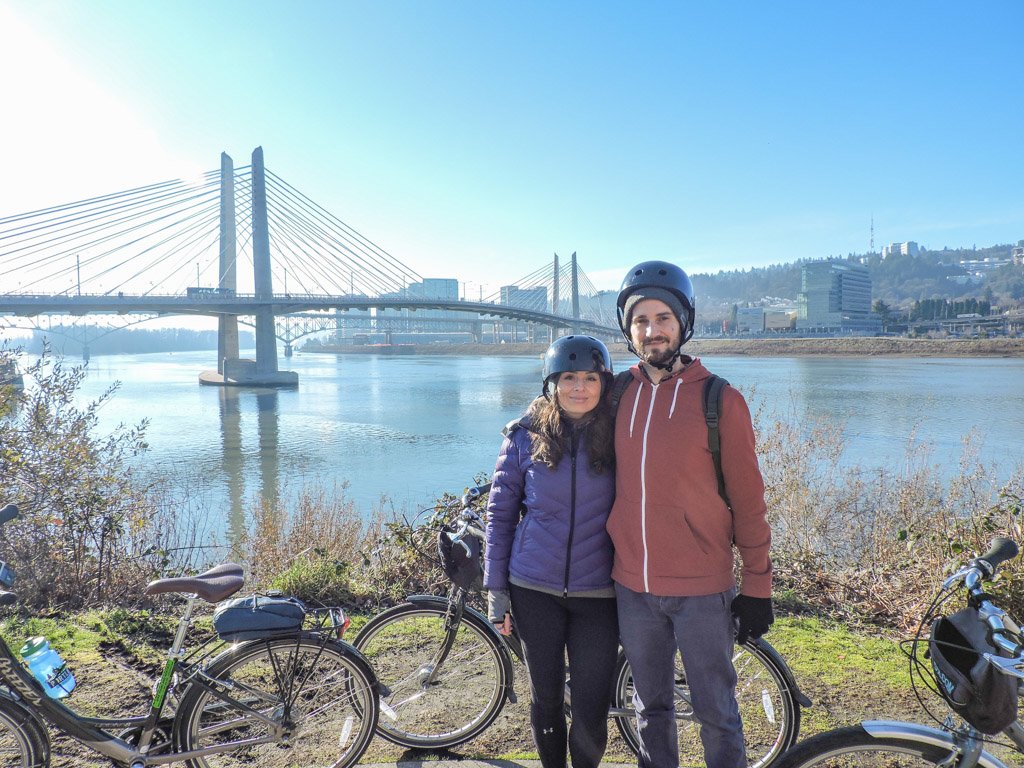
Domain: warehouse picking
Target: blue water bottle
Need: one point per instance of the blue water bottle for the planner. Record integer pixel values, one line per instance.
(48, 667)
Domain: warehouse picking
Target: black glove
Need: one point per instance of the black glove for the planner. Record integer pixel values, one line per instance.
(753, 616)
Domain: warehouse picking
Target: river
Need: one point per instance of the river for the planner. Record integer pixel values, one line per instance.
(408, 428)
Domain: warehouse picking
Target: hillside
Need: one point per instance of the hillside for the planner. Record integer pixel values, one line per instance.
(897, 280)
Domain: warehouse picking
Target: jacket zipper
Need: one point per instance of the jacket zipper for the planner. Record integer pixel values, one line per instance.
(643, 489)
(573, 445)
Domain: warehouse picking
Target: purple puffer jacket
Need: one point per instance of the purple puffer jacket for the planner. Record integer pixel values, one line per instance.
(561, 543)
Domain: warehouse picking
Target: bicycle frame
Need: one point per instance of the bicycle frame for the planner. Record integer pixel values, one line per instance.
(90, 731)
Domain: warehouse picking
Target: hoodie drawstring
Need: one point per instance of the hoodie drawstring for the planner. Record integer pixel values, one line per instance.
(636, 404)
(675, 392)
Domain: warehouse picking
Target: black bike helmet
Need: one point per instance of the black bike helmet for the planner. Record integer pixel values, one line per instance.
(665, 277)
(576, 353)
(973, 688)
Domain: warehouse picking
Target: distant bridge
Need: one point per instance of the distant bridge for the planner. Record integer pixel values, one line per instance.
(132, 252)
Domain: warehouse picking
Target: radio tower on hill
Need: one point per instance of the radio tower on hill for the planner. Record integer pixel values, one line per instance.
(872, 234)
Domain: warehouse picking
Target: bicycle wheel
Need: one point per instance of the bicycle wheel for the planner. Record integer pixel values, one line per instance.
(856, 748)
(466, 692)
(22, 743)
(768, 707)
(314, 702)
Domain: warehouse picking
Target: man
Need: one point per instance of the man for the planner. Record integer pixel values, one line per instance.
(674, 533)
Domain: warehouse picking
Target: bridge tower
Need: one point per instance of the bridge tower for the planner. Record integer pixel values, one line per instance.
(575, 293)
(266, 344)
(232, 370)
(554, 296)
(227, 325)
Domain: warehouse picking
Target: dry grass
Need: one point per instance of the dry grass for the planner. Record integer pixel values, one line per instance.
(873, 543)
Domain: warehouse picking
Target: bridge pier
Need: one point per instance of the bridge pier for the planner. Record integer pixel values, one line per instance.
(263, 371)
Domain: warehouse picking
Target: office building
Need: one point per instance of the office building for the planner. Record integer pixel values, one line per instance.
(835, 295)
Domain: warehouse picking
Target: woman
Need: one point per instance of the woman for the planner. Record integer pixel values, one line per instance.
(549, 554)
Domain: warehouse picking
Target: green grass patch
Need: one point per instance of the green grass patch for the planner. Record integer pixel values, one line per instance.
(69, 637)
(832, 653)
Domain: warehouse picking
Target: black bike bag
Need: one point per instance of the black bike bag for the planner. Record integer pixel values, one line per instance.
(257, 616)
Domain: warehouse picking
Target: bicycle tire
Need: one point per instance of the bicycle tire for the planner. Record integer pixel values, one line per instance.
(321, 694)
(768, 707)
(854, 747)
(467, 693)
(23, 744)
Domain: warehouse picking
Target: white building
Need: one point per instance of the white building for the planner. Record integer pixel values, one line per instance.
(909, 248)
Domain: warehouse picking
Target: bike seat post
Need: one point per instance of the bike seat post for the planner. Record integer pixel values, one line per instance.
(183, 624)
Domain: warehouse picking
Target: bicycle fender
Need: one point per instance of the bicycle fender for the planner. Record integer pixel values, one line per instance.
(27, 715)
(468, 611)
(924, 734)
(769, 650)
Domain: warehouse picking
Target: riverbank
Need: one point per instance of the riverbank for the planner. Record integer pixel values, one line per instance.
(747, 347)
(848, 674)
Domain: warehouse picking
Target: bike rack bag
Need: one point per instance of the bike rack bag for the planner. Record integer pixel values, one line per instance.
(257, 616)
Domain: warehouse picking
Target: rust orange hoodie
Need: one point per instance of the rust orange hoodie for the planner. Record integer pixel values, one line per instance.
(673, 533)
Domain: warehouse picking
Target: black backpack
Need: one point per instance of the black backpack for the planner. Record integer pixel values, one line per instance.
(712, 399)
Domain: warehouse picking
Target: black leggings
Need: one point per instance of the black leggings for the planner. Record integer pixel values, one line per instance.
(588, 628)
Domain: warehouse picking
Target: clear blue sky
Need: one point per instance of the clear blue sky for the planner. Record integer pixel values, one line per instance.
(474, 139)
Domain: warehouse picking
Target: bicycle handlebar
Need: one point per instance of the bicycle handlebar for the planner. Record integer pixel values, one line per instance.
(1000, 550)
(8, 513)
(1005, 634)
(469, 521)
(474, 493)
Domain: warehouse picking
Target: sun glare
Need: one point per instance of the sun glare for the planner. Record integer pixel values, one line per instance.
(66, 136)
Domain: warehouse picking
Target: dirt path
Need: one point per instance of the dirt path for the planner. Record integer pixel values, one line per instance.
(115, 681)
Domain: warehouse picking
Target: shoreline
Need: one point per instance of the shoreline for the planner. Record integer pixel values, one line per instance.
(750, 347)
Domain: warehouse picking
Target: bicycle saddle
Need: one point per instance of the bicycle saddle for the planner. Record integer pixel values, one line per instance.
(212, 586)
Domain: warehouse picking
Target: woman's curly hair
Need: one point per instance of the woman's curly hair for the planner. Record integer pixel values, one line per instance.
(551, 431)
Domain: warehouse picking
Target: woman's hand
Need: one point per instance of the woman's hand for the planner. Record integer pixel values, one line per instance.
(498, 605)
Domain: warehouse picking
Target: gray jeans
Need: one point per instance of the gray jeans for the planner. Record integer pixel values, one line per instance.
(651, 628)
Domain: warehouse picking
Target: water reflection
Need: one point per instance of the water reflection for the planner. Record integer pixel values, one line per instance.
(233, 457)
(414, 427)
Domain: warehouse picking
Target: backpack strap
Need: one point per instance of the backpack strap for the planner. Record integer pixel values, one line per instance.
(712, 400)
(713, 388)
(617, 389)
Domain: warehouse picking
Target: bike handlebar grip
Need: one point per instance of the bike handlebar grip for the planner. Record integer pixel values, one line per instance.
(1000, 550)
(8, 513)
(475, 493)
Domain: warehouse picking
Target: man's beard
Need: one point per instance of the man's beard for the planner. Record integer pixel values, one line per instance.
(658, 356)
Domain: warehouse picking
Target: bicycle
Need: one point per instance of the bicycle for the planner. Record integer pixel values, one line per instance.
(449, 672)
(955, 744)
(293, 698)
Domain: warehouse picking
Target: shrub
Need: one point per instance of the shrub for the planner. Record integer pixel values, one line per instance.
(309, 551)
(87, 533)
(876, 543)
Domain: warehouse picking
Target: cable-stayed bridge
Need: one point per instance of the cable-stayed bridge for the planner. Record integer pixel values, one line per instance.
(244, 246)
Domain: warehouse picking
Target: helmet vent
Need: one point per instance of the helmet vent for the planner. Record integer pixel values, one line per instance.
(572, 356)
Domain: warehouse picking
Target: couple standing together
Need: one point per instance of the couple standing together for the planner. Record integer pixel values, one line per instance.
(608, 527)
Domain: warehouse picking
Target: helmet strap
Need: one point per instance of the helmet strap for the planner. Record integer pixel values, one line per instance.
(666, 366)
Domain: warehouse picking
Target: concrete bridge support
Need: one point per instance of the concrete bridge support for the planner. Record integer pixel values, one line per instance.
(227, 325)
(263, 372)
